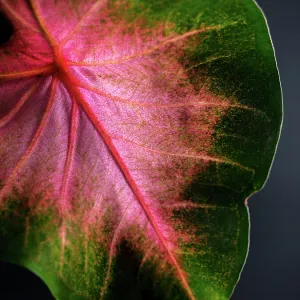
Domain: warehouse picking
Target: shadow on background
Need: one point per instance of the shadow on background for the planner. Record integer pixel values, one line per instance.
(6, 29)
(18, 283)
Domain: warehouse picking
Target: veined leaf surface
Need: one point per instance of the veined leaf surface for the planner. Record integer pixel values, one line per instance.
(131, 134)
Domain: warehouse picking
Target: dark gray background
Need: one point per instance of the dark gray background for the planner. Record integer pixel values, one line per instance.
(272, 270)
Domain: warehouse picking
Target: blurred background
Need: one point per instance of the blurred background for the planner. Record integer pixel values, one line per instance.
(272, 270)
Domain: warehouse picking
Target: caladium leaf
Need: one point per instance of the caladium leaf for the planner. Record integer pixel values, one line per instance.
(131, 134)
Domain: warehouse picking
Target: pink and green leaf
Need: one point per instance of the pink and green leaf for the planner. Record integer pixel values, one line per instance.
(132, 132)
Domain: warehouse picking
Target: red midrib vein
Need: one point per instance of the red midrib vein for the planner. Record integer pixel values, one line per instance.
(70, 83)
